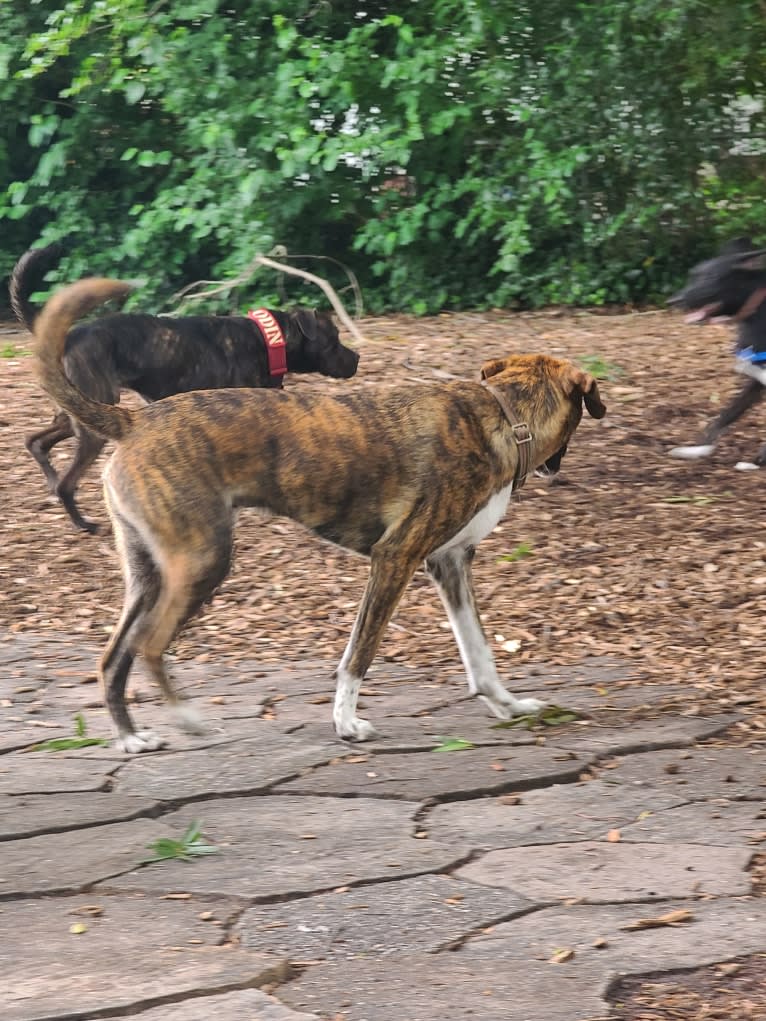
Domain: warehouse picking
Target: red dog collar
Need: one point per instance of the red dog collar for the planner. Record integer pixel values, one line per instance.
(276, 349)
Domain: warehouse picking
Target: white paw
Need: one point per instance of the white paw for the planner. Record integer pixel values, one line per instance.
(692, 453)
(355, 729)
(746, 466)
(506, 710)
(188, 719)
(140, 741)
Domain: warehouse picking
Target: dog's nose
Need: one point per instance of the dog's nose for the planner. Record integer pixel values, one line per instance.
(351, 364)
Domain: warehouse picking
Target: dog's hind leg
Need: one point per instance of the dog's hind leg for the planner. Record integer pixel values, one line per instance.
(390, 574)
(41, 443)
(451, 573)
(89, 446)
(188, 580)
(142, 586)
(750, 394)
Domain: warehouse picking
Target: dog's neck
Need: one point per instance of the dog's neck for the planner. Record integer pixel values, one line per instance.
(521, 434)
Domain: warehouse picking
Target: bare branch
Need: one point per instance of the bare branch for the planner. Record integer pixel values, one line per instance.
(188, 294)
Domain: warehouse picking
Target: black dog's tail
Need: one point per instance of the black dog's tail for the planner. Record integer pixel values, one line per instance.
(26, 277)
(51, 328)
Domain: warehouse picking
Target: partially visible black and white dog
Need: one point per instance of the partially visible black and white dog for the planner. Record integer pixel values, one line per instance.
(731, 288)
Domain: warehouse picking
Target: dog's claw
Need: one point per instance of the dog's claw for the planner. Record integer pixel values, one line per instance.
(140, 741)
(692, 453)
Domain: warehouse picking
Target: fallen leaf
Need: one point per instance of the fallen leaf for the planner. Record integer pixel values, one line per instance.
(92, 910)
(77, 928)
(614, 836)
(671, 918)
(561, 956)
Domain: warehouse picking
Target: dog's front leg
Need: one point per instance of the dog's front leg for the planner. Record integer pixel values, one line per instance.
(451, 573)
(390, 573)
(749, 395)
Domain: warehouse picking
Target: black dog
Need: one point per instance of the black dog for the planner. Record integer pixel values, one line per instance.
(158, 356)
(731, 287)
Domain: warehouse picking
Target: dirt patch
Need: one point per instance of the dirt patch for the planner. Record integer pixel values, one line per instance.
(735, 991)
(631, 553)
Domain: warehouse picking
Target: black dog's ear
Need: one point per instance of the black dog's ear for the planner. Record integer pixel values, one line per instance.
(752, 260)
(737, 246)
(307, 323)
(743, 253)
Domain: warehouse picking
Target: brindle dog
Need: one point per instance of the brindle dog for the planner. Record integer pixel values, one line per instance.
(403, 474)
(156, 356)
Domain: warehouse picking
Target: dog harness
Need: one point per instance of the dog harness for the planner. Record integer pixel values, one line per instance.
(751, 363)
(521, 433)
(276, 348)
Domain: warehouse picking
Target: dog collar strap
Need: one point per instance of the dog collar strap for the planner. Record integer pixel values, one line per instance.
(276, 348)
(521, 433)
(751, 306)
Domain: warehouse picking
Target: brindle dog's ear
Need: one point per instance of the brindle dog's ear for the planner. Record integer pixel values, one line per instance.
(492, 368)
(307, 323)
(576, 379)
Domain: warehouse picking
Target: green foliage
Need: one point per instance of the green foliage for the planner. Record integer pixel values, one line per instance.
(524, 549)
(453, 744)
(550, 716)
(11, 351)
(66, 744)
(189, 846)
(456, 154)
(599, 367)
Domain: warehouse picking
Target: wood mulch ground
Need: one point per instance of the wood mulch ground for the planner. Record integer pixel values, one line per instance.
(631, 553)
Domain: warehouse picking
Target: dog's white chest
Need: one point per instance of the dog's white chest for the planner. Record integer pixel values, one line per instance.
(482, 523)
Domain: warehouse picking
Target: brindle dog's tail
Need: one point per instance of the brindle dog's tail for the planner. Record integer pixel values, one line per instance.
(51, 328)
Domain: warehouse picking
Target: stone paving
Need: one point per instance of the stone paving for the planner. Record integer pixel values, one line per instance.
(365, 883)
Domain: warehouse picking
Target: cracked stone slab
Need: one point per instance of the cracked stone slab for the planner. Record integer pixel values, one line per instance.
(386, 704)
(423, 733)
(643, 735)
(135, 950)
(565, 812)
(30, 815)
(718, 822)
(415, 777)
(60, 863)
(243, 1005)
(600, 872)
(443, 987)
(289, 845)
(51, 773)
(247, 765)
(415, 915)
(717, 931)
(507, 974)
(699, 773)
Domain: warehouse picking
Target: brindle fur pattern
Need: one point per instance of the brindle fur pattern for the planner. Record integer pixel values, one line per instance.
(402, 474)
(157, 356)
